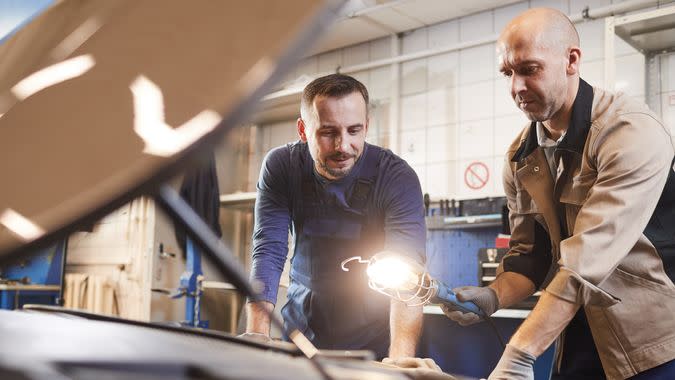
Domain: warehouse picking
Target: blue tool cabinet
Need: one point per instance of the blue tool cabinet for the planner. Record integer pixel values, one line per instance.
(37, 280)
(452, 257)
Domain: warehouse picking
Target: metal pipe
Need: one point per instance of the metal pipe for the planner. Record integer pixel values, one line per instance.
(417, 55)
(627, 6)
(610, 10)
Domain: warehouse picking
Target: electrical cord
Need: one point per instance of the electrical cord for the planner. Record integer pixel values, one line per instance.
(492, 324)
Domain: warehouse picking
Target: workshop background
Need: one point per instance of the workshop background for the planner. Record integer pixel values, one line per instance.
(437, 100)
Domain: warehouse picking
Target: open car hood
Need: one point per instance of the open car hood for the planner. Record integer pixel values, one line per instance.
(48, 343)
(101, 101)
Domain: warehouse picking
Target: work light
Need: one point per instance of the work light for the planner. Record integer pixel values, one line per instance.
(407, 281)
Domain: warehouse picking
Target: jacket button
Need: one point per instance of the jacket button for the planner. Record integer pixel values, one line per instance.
(536, 169)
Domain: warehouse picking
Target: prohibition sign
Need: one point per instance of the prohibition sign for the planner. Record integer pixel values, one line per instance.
(476, 175)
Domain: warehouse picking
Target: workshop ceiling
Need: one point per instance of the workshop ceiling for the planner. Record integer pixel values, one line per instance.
(364, 20)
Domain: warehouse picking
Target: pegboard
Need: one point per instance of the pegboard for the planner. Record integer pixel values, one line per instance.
(452, 255)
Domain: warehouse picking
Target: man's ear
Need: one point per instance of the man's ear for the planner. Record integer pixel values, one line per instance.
(574, 59)
(301, 130)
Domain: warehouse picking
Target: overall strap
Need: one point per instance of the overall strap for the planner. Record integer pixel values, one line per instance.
(363, 186)
(302, 188)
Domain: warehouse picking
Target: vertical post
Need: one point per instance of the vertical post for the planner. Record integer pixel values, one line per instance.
(610, 64)
(191, 284)
(62, 290)
(395, 97)
(653, 82)
(5, 296)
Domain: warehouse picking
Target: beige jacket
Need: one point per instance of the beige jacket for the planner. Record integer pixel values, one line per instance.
(596, 235)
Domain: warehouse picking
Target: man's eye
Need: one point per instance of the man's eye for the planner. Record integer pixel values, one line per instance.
(529, 70)
(354, 131)
(507, 73)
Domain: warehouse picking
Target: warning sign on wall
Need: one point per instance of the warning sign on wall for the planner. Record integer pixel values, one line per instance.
(476, 175)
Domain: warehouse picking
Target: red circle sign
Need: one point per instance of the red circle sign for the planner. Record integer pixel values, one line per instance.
(476, 175)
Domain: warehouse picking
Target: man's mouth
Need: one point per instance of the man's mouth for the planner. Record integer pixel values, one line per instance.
(340, 161)
(340, 158)
(525, 103)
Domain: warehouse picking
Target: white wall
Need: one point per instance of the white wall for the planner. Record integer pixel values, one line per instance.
(455, 108)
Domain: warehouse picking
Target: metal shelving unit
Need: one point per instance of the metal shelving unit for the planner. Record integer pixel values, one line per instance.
(240, 200)
(440, 222)
(653, 34)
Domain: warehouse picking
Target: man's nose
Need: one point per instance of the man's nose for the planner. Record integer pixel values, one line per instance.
(517, 85)
(342, 142)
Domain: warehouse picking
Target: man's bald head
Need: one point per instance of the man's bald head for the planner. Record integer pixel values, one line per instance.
(539, 53)
(545, 27)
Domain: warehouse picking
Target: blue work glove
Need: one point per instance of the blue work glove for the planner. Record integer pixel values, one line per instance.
(515, 364)
(484, 297)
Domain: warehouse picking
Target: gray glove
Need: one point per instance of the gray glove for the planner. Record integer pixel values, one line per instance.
(515, 364)
(484, 297)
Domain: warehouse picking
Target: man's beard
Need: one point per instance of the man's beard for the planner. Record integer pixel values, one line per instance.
(337, 173)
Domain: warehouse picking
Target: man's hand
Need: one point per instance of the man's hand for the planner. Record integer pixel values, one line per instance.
(418, 368)
(484, 297)
(515, 364)
(256, 337)
(409, 362)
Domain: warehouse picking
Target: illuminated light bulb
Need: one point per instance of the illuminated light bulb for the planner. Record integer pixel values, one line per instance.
(392, 273)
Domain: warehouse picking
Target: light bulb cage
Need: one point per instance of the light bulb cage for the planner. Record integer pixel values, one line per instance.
(420, 294)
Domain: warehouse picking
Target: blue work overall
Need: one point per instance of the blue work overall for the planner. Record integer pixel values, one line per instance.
(333, 308)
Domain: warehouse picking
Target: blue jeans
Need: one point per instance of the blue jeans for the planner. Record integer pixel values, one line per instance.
(665, 371)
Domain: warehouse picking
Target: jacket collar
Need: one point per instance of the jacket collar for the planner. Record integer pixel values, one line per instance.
(577, 131)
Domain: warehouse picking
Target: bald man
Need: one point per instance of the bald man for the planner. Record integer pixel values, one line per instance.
(590, 186)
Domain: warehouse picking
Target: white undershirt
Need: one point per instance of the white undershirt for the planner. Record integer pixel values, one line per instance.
(549, 145)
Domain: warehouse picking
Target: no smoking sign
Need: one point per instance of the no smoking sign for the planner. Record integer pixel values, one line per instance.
(476, 175)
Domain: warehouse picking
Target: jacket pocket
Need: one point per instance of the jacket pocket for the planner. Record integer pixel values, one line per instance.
(574, 196)
(643, 318)
(644, 282)
(576, 191)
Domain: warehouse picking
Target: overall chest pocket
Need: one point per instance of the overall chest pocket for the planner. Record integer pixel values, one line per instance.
(332, 229)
